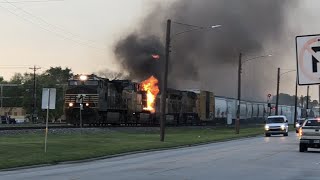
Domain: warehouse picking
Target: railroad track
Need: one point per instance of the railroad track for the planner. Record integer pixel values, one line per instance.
(33, 127)
(65, 126)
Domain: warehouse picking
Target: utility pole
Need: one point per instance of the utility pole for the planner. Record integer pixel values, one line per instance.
(164, 84)
(307, 102)
(278, 84)
(295, 104)
(237, 123)
(34, 96)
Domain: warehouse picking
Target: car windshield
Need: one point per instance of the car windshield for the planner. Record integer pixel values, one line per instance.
(275, 120)
(313, 123)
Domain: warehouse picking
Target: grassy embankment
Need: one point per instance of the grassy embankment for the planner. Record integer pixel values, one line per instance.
(28, 149)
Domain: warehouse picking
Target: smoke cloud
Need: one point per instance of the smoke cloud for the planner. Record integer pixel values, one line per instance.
(208, 59)
(135, 53)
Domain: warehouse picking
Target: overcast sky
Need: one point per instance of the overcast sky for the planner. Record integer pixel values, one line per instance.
(75, 33)
(80, 33)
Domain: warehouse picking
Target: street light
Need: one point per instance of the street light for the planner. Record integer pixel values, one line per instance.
(296, 92)
(237, 123)
(278, 87)
(165, 78)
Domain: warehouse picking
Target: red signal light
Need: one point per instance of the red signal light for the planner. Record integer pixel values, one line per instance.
(155, 56)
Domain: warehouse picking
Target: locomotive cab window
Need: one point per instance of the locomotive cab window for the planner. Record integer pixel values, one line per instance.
(87, 83)
(91, 83)
(74, 83)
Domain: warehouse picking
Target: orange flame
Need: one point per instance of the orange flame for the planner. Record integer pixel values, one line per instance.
(151, 87)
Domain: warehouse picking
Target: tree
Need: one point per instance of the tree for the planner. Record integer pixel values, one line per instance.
(13, 94)
(58, 75)
(112, 75)
(55, 77)
(314, 103)
(17, 78)
(285, 99)
(301, 101)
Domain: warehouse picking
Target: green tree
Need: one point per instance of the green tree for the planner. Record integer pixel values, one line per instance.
(17, 78)
(314, 103)
(55, 77)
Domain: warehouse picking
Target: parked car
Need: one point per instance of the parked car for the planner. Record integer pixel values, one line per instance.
(11, 120)
(7, 120)
(276, 125)
(4, 119)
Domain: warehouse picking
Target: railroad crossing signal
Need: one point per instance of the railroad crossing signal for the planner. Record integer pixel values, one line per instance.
(308, 58)
(80, 98)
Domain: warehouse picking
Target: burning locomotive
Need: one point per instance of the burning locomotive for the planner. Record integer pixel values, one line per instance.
(100, 101)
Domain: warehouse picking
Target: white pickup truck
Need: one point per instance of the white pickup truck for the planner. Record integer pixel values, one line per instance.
(309, 134)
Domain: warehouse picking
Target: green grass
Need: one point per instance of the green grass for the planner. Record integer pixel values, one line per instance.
(28, 149)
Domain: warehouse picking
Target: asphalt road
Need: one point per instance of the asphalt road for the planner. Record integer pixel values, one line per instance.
(258, 158)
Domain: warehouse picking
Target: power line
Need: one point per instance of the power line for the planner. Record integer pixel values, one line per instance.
(49, 24)
(41, 23)
(185, 24)
(13, 66)
(43, 1)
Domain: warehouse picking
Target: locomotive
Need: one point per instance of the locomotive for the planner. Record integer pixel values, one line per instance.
(122, 102)
(102, 101)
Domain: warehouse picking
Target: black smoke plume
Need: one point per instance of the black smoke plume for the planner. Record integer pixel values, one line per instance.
(136, 55)
(208, 59)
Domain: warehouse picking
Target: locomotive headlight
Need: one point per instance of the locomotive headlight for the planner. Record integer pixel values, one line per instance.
(70, 104)
(83, 77)
(87, 104)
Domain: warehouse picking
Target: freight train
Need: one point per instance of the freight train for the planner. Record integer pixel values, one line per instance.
(123, 102)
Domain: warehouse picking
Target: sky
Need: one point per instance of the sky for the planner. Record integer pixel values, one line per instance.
(70, 33)
(80, 34)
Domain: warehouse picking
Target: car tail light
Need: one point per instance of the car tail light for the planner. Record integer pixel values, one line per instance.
(300, 132)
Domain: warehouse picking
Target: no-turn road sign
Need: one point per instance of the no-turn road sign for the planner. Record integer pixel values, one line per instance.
(308, 58)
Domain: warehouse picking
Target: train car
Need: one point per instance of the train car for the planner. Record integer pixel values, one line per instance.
(205, 106)
(190, 107)
(221, 110)
(173, 106)
(248, 119)
(189, 114)
(225, 110)
(231, 110)
(122, 102)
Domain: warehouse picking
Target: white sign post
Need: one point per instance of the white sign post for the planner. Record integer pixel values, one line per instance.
(48, 102)
(80, 100)
(308, 58)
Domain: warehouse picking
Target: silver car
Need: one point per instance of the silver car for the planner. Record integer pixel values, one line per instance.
(276, 125)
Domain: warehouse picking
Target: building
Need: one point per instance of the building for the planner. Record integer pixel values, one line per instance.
(17, 113)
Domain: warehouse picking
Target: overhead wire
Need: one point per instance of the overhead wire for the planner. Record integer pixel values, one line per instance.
(51, 25)
(43, 24)
(34, 1)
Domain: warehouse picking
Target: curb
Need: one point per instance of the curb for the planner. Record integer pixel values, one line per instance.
(126, 154)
